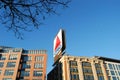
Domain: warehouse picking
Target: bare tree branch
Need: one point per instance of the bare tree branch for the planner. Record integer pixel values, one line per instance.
(26, 15)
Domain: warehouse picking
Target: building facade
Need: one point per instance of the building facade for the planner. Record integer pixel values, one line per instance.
(85, 68)
(20, 64)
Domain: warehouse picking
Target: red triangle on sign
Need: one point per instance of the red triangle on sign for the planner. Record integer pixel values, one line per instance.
(57, 42)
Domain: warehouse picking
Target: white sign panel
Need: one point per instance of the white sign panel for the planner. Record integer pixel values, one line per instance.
(57, 43)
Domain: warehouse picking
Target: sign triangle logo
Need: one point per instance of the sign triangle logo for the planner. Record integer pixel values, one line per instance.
(57, 42)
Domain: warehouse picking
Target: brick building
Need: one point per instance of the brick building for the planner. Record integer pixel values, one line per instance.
(21, 64)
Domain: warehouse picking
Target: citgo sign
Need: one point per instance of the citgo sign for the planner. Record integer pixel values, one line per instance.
(59, 43)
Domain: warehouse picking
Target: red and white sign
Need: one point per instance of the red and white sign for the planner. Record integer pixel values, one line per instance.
(58, 43)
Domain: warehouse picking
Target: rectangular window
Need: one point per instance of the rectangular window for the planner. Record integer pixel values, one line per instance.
(114, 78)
(87, 70)
(11, 64)
(25, 73)
(99, 71)
(119, 67)
(37, 73)
(13, 57)
(16, 50)
(27, 58)
(112, 72)
(73, 63)
(109, 77)
(39, 58)
(88, 77)
(97, 65)
(119, 73)
(38, 65)
(26, 65)
(73, 69)
(9, 72)
(3, 57)
(74, 77)
(7, 79)
(100, 78)
(86, 64)
(1, 64)
(114, 67)
(110, 66)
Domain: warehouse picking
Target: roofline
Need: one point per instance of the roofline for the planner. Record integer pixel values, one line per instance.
(108, 59)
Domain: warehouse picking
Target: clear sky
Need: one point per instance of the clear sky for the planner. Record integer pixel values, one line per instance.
(92, 29)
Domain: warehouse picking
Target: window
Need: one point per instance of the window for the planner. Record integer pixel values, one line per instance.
(13, 57)
(26, 65)
(9, 72)
(16, 50)
(74, 77)
(118, 78)
(110, 66)
(119, 67)
(25, 73)
(99, 71)
(1, 64)
(38, 65)
(4, 51)
(3, 57)
(39, 58)
(114, 78)
(73, 63)
(7, 79)
(97, 65)
(116, 72)
(112, 72)
(88, 77)
(109, 77)
(114, 67)
(73, 69)
(119, 73)
(37, 73)
(27, 58)
(100, 78)
(87, 70)
(86, 64)
(11, 64)
(25, 51)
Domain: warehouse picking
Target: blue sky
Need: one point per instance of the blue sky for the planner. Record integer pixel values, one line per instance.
(92, 29)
